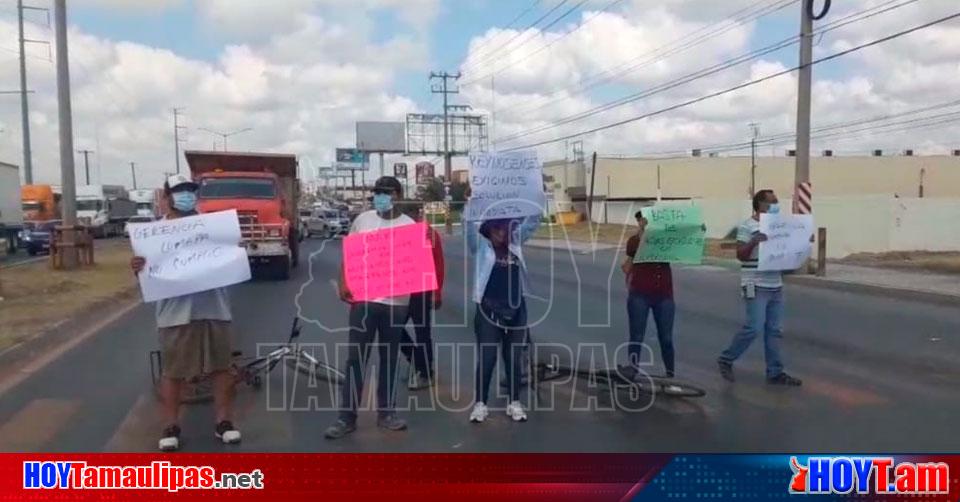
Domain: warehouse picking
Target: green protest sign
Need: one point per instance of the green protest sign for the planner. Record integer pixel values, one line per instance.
(674, 234)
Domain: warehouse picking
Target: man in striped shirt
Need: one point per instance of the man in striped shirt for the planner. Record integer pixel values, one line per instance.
(762, 294)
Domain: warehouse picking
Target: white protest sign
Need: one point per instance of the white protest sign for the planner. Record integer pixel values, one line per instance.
(505, 185)
(788, 244)
(189, 255)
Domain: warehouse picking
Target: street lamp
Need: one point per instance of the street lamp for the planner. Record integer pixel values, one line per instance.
(226, 135)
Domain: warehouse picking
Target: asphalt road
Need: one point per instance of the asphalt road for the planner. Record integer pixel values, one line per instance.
(880, 374)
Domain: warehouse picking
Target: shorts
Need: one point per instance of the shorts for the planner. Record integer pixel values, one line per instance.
(194, 349)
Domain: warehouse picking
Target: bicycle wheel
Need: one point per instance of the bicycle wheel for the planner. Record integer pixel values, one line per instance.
(320, 370)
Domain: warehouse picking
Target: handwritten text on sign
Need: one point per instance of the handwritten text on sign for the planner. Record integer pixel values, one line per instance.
(788, 241)
(674, 234)
(392, 262)
(505, 185)
(189, 255)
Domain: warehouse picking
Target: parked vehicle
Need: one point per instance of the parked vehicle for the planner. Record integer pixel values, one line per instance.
(146, 201)
(39, 202)
(11, 212)
(104, 208)
(137, 219)
(328, 223)
(264, 190)
(302, 220)
(37, 238)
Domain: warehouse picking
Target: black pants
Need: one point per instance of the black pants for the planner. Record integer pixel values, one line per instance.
(511, 339)
(419, 353)
(369, 322)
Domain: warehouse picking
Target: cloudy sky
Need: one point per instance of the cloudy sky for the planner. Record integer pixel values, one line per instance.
(302, 72)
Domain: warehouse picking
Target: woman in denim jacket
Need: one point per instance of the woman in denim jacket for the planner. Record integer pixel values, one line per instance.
(499, 286)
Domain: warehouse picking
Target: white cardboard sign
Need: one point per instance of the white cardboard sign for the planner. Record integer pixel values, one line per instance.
(505, 185)
(189, 255)
(788, 244)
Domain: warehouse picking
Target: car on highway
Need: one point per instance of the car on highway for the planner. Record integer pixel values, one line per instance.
(137, 219)
(328, 223)
(37, 238)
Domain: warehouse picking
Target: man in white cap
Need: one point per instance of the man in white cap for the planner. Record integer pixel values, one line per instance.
(195, 336)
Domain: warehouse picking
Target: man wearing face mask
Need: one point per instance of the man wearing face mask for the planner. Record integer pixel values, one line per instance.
(762, 294)
(379, 320)
(195, 337)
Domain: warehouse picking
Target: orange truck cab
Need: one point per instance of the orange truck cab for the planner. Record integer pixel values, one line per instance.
(264, 190)
(39, 202)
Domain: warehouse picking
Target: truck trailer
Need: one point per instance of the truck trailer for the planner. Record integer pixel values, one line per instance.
(146, 201)
(11, 211)
(264, 190)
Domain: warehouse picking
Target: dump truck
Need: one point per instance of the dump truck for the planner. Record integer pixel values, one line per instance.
(264, 190)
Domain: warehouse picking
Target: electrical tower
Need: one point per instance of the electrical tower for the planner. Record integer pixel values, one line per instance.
(444, 88)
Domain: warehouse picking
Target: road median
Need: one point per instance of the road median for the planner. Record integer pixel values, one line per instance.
(44, 308)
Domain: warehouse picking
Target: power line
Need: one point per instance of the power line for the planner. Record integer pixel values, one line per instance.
(694, 76)
(489, 56)
(737, 18)
(511, 24)
(546, 46)
(744, 85)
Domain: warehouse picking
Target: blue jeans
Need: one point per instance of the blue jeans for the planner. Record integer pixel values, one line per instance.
(511, 338)
(764, 313)
(638, 308)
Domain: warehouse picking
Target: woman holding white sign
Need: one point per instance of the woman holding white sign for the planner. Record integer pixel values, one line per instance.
(500, 284)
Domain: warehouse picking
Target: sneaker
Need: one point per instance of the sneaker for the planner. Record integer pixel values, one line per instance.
(479, 413)
(515, 411)
(392, 422)
(227, 433)
(419, 381)
(785, 380)
(726, 370)
(170, 439)
(339, 429)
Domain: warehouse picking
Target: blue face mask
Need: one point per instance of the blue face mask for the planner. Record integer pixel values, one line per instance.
(382, 202)
(773, 209)
(185, 202)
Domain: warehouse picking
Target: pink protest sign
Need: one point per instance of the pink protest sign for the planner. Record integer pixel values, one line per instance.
(391, 262)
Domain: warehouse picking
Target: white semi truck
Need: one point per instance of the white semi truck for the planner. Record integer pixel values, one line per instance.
(105, 208)
(146, 201)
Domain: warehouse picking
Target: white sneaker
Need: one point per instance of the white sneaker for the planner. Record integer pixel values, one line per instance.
(479, 413)
(515, 411)
(170, 439)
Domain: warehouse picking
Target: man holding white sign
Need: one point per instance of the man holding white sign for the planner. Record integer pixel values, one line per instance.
(762, 293)
(183, 262)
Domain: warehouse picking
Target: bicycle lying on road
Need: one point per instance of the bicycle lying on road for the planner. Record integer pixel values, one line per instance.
(250, 370)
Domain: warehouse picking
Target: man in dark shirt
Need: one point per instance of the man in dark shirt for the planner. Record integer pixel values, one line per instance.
(650, 288)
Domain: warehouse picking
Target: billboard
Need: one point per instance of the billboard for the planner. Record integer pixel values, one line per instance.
(381, 137)
(351, 159)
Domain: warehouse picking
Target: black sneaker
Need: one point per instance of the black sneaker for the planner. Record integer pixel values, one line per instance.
(339, 429)
(170, 439)
(227, 433)
(726, 370)
(785, 380)
(419, 381)
(392, 422)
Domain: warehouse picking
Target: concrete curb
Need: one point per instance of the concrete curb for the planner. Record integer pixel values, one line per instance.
(933, 297)
(17, 362)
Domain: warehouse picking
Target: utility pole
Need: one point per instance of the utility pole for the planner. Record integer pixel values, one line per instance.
(133, 174)
(86, 162)
(805, 81)
(68, 248)
(444, 88)
(24, 102)
(225, 135)
(176, 135)
(755, 128)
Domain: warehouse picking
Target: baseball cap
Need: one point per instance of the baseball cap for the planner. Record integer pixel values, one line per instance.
(180, 181)
(388, 184)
